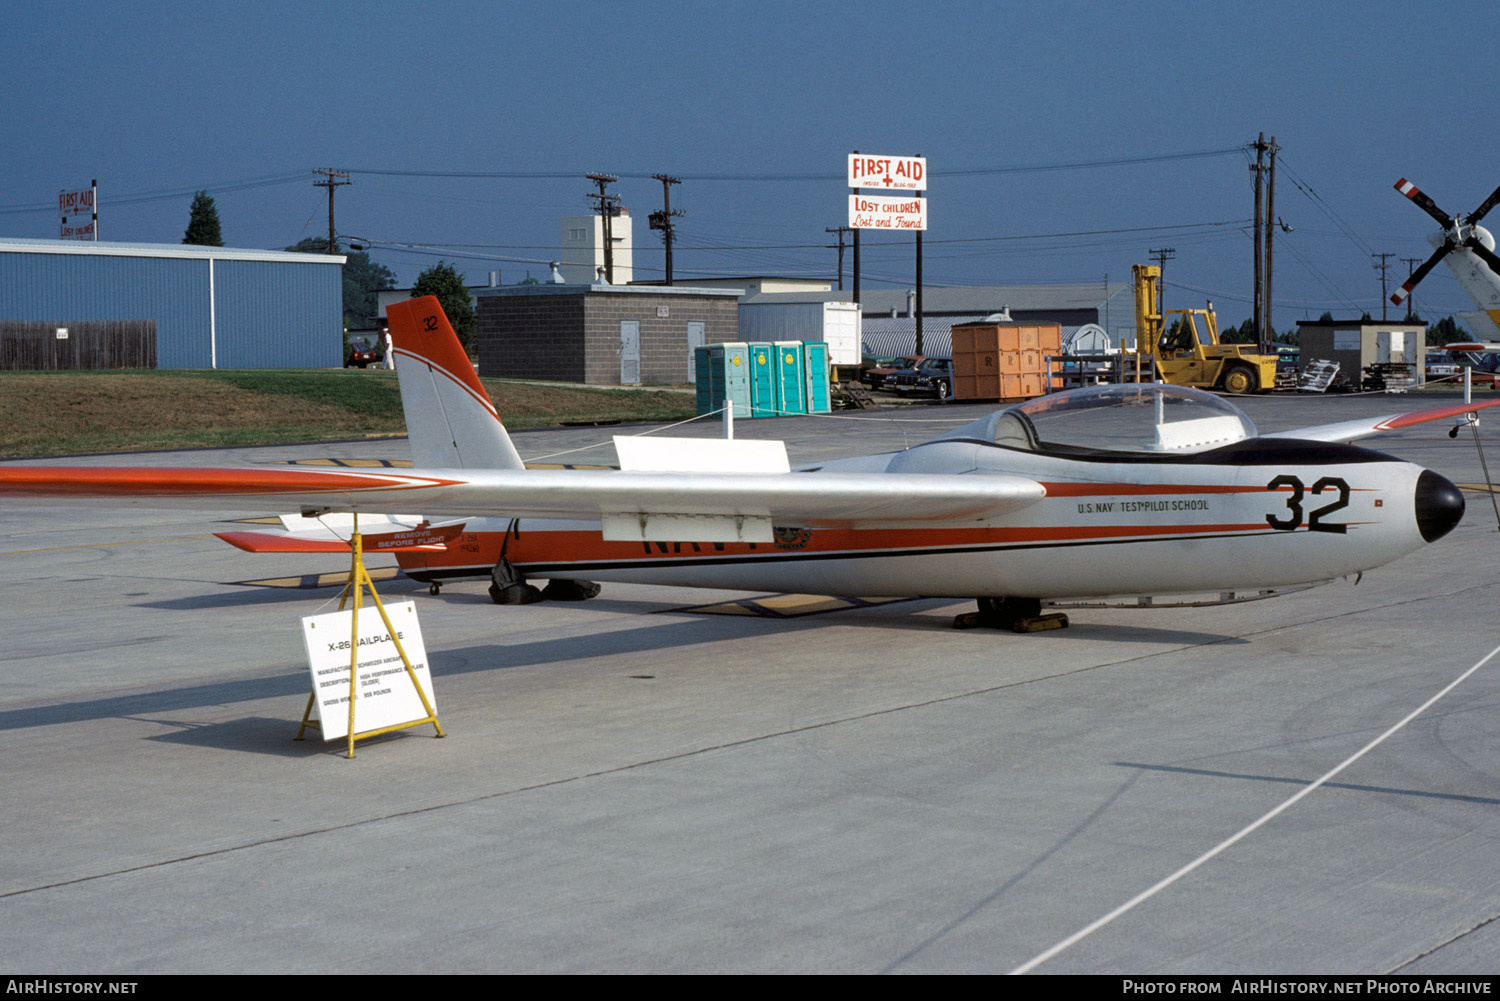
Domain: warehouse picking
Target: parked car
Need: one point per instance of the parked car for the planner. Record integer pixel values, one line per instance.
(1441, 365)
(878, 375)
(930, 375)
(361, 353)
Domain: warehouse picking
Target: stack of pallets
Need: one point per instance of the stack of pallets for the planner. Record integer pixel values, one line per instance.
(1388, 377)
(1317, 376)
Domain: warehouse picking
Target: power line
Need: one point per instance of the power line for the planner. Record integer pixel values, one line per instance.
(162, 195)
(533, 175)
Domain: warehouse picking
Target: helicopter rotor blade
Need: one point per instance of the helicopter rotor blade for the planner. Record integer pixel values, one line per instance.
(1426, 204)
(1416, 276)
(1489, 203)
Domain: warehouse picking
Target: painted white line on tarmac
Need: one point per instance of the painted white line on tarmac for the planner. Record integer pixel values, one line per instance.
(1145, 895)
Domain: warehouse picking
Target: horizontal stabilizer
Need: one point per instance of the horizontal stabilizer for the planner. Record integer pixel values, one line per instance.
(405, 540)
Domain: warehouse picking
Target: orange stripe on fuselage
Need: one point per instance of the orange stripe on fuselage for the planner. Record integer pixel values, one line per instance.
(589, 547)
(1143, 489)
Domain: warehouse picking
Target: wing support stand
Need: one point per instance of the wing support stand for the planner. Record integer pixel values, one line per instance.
(359, 580)
(1472, 420)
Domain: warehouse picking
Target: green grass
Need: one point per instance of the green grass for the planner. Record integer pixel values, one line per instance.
(62, 413)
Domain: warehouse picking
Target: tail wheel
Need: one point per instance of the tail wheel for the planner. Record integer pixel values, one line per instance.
(1241, 379)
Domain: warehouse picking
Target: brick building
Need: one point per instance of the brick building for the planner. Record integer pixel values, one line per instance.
(606, 335)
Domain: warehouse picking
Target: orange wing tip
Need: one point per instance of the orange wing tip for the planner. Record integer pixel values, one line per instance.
(76, 481)
(1436, 414)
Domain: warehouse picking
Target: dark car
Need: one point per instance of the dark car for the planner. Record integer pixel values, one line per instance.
(878, 375)
(931, 375)
(361, 353)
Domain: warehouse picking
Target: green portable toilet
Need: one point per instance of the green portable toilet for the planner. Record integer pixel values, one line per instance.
(723, 374)
(815, 364)
(762, 361)
(791, 375)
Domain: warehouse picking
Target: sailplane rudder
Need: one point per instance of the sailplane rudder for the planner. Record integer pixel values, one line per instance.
(450, 421)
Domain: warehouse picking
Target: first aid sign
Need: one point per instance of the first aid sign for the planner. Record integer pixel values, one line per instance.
(904, 173)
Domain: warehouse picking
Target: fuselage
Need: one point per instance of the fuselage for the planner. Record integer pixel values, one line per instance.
(1259, 513)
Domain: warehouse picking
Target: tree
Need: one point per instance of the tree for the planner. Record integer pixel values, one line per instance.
(1444, 331)
(1243, 334)
(203, 223)
(444, 281)
(363, 278)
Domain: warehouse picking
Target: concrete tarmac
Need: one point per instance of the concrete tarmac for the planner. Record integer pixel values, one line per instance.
(627, 786)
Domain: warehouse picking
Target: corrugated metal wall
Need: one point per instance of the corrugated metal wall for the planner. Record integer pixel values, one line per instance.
(279, 315)
(268, 314)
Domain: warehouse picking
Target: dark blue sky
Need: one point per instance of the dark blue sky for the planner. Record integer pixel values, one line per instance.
(163, 98)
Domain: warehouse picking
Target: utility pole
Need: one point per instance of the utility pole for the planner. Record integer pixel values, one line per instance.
(663, 220)
(608, 206)
(331, 181)
(917, 321)
(856, 259)
(1269, 335)
(1382, 268)
(1258, 169)
(840, 230)
(1411, 302)
(1161, 257)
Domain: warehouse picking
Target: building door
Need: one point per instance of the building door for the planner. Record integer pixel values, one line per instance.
(697, 331)
(630, 352)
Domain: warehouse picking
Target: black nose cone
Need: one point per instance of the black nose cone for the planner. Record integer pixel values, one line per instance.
(1439, 505)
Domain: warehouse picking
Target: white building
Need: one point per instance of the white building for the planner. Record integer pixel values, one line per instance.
(583, 248)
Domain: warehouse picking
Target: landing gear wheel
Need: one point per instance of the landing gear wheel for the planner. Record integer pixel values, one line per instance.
(570, 590)
(1019, 615)
(510, 588)
(434, 588)
(1240, 380)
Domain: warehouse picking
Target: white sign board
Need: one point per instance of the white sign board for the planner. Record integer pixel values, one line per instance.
(76, 211)
(905, 173)
(887, 212)
(386, 695)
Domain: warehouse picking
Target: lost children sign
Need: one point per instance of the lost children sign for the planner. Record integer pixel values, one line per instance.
(887, 173)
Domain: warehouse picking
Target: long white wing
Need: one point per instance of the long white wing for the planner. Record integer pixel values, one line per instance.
(1365, 427)
(631, 505)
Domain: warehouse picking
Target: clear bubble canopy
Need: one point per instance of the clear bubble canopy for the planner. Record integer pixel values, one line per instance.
(1145, 417)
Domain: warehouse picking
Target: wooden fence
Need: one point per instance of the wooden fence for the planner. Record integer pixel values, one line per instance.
(40, 345)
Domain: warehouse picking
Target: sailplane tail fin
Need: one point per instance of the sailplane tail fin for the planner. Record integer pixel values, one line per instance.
(450, 421)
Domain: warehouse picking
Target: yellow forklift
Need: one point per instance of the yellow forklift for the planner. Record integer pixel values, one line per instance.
(1188, 355)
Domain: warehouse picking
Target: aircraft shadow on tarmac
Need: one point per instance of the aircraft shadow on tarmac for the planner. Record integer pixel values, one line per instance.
(652, 635)
(879, 616)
